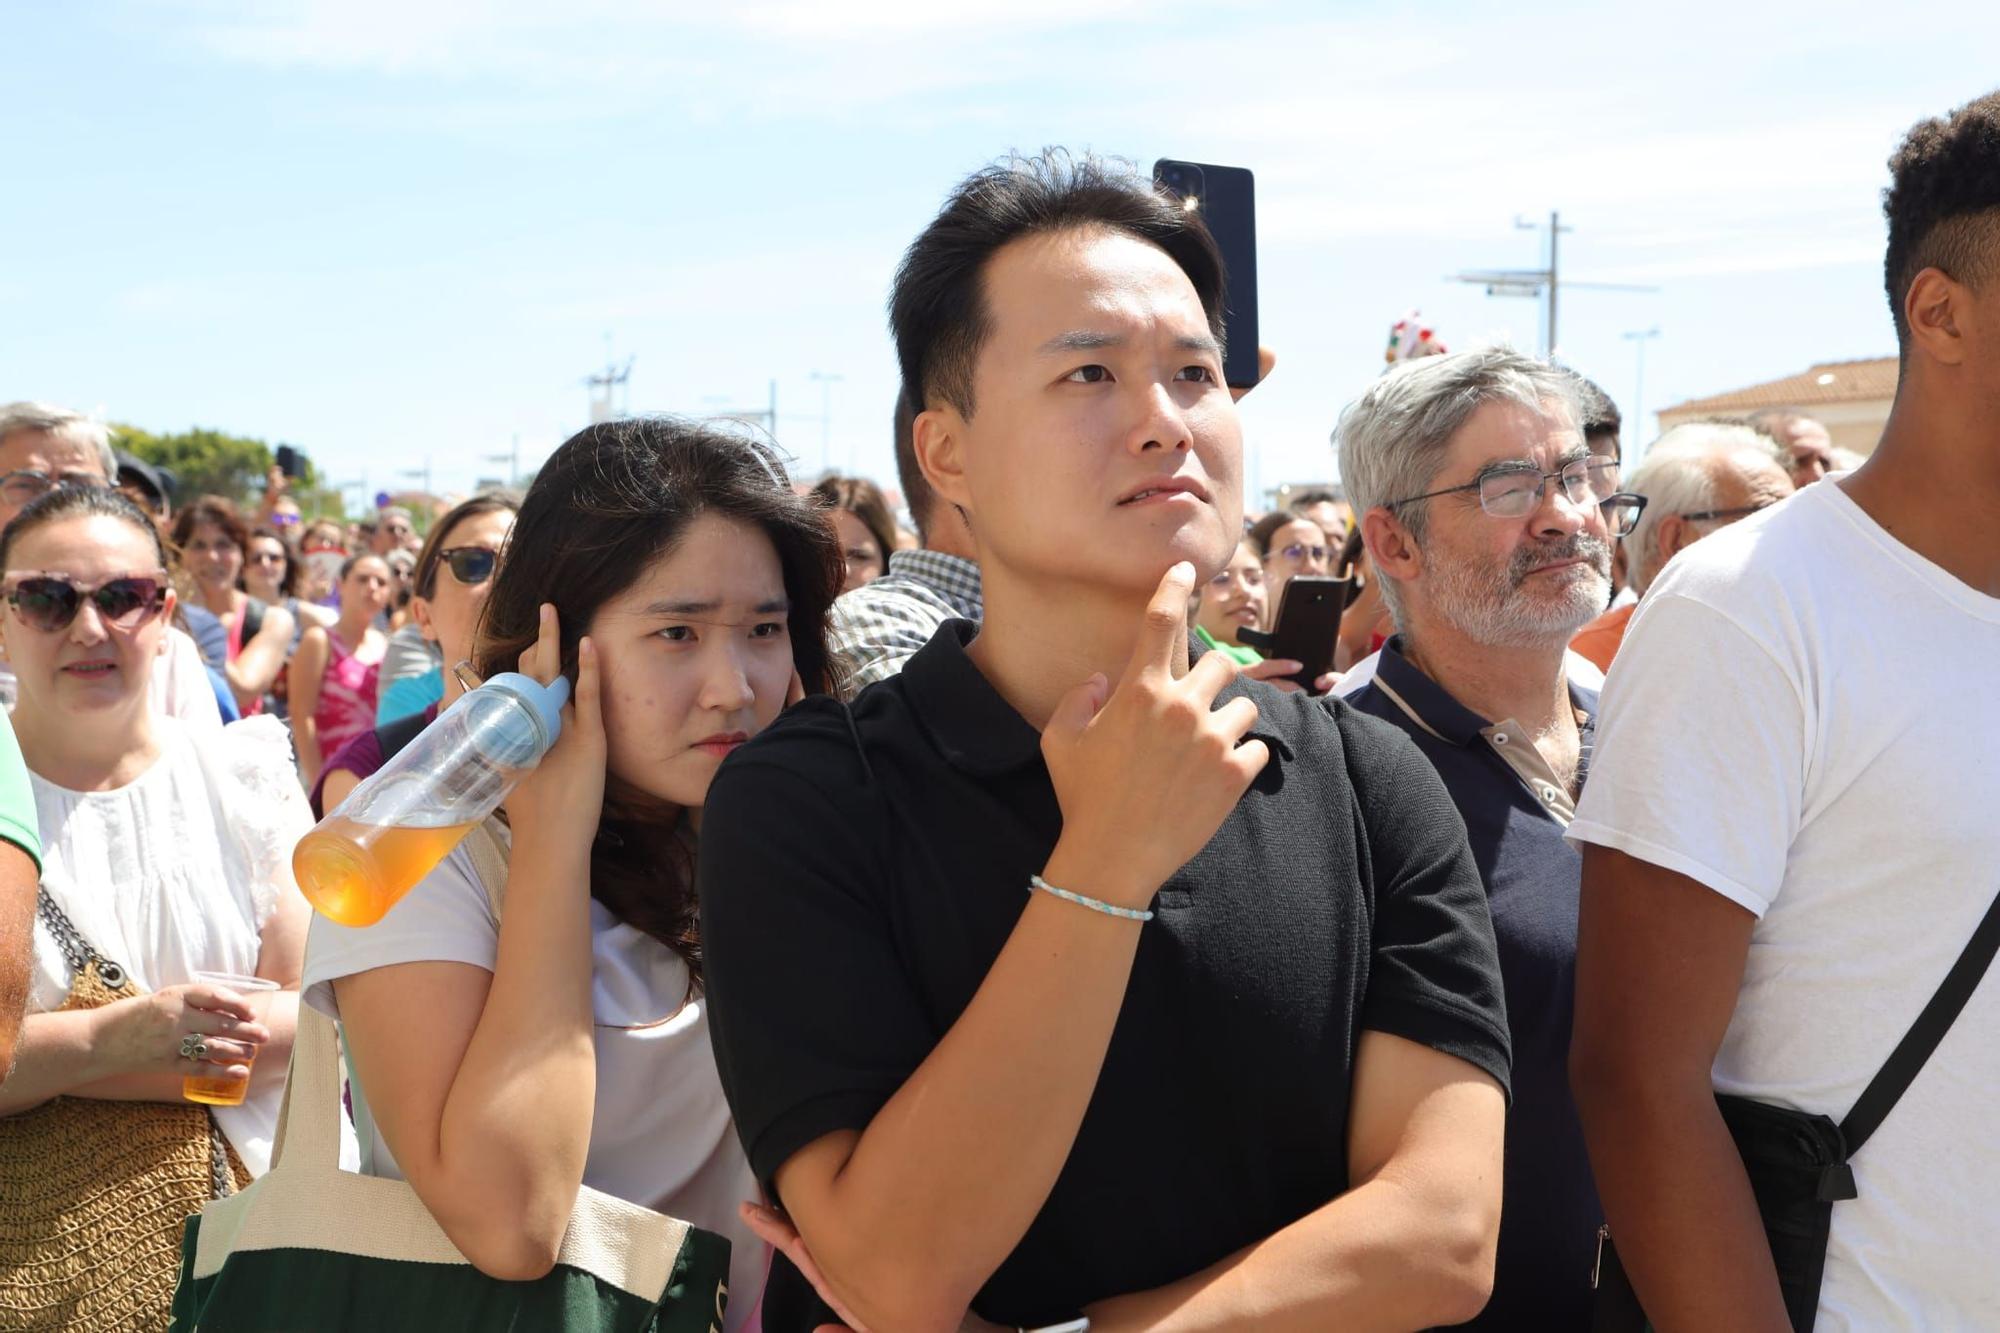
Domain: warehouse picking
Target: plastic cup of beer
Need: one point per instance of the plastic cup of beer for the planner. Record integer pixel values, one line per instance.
(257, 993)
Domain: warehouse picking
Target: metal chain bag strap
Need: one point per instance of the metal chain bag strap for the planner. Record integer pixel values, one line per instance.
(93, 1193)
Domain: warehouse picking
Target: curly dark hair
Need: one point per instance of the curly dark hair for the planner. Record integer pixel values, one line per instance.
(1943, 202)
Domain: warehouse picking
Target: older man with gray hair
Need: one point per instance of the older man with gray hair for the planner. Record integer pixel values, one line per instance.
(1696, 479)
(43, 446)
(1489, 521)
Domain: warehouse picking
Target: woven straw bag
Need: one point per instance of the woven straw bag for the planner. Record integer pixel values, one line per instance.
(93, 1194)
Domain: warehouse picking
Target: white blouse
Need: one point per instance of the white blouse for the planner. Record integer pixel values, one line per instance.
(178, 870)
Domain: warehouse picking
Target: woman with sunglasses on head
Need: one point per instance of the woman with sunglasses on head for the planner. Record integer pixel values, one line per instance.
(671, 572)
(165, 850)
(453, 575)
(332, 679)
(214, 547)
(861, 520)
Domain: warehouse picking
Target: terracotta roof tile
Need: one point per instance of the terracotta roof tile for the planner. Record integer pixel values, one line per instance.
(1827, 382)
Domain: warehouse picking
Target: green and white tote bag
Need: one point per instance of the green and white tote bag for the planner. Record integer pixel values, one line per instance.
(310, 1247)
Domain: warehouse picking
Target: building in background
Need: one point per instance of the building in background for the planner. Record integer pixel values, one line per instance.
(1850, 398)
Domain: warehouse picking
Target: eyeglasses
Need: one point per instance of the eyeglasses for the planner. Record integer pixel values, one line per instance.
(49, 602)
(1741, 511)
(25, 485)
(284, 520)
(1621, 512)
(267, 557)
(1515, 490)
(1300, 551)
(471, 565)
(1250, 576)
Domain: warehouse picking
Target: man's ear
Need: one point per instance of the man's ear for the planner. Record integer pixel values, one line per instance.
(1390, 545)
(938, 438)
(1672, 535)
(1933, 309)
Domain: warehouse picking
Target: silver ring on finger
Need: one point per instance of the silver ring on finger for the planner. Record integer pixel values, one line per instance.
(194, 1047)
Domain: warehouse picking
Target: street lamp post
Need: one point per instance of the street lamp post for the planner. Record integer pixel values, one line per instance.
(826, 382)
(1638, 338)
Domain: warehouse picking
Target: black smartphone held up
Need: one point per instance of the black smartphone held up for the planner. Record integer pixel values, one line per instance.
(1226, 199)
(291, 462)
(1307, 627)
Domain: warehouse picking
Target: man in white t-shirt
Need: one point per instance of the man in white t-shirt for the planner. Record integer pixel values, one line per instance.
(1790, 830)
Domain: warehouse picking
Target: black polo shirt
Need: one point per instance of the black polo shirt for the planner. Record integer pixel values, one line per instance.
(860, 871)
(1549, 1220)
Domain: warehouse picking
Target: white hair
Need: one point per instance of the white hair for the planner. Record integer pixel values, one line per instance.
(1681, 475)
(74, 427)
(1394, 437)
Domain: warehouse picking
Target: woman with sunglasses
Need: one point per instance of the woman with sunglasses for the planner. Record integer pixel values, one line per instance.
(333, 676)
(271, 573)
(165, 850)
(454, 574)
(670, 571)
(214, 546)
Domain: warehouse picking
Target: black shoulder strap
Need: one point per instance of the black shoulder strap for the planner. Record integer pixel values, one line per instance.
(253, 619)
(1904, 1063)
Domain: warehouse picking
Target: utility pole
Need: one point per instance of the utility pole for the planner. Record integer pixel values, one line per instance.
(1637, 421)
(512, 459)
(606, 383)
(826, 382)
(1554, 271)
(1542, 283)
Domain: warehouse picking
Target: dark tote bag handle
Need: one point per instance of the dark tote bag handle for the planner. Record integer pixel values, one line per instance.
(1798, 1164)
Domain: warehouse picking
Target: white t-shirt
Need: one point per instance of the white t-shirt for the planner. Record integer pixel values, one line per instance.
(661, 1136)
(178, 870)
(1805, 718)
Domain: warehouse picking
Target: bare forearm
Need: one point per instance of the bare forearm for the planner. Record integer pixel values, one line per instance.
(56, 1055)
(515, 1127)
(1379, 1257)
(1680, 1207)
(945, 1181)
(305, 740)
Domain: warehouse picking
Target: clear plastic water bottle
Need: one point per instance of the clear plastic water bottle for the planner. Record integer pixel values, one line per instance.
(395, 827)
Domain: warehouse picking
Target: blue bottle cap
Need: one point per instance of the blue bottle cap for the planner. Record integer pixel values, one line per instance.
(546, 700)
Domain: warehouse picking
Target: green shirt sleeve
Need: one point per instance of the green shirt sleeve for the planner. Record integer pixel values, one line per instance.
(18, 824)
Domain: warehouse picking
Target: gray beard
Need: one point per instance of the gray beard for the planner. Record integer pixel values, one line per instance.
(1487, 607)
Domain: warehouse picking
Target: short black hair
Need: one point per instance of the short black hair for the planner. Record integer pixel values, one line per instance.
(1594, 406)
(937, 308)
(909, 475)
(1943, 203)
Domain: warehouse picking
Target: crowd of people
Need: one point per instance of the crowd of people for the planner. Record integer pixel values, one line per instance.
(961, 915)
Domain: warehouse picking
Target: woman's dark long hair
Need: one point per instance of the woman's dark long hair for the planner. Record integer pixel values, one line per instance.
(613, 499)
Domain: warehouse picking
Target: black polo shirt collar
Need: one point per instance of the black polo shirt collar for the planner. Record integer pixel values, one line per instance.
(976, 730)
(1434, 708)
(1429, 706)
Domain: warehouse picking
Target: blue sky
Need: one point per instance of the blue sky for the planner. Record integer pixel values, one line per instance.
(399, 232)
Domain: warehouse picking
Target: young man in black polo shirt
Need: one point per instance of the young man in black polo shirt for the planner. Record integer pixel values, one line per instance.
(1238, 1058)
(1480, 500)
